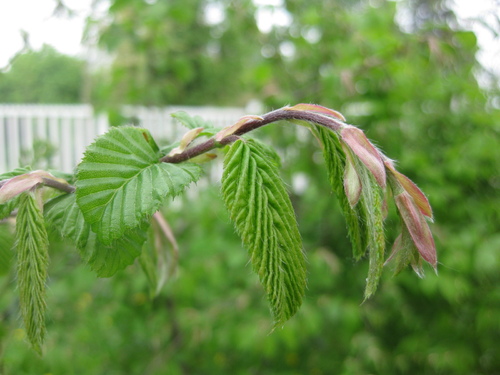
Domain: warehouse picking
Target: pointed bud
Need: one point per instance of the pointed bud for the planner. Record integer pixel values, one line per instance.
(185, 141)
(409, 186)
(316, 108)
(417, 227)
(352, 182)
(19, 184)
(365, 151)
(234, 128)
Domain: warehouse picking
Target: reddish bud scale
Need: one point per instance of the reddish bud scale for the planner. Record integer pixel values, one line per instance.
(317, 109)
(409, 186)
(366, 152)
(417, 227)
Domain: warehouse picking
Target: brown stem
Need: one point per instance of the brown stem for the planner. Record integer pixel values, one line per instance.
(59, 185)
(277, 115)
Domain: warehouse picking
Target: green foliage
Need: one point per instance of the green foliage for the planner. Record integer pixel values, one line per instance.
(191, 122)
(416, 92)
(355, 216)
(264, 218)
(364, 218)
(44, 76)
(66, 217)
(178, 56)
(121, 181)
(6, 245)
(32, 261)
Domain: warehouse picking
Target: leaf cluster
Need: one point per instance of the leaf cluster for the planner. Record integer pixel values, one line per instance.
(124, 179)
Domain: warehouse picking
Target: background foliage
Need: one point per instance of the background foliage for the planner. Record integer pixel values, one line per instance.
(415, 91)
(44, 76)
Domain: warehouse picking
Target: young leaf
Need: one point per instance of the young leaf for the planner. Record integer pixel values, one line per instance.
(15, 186)
(6, 244)
(335, 160)
(32, 261)
(417, 227)
(365, 219)
(106, 260)
(396, 178)
(365, 151)
(263, 215)
(64, 214)
(372, 202)
(121, 181)
(160, 254)
(14, 173)
(191, 122)
(7, 208)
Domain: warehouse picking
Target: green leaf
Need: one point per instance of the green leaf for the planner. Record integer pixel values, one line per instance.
(14, 173)
(159, 255)
(263, 215)
(365, 221)
(148, 261)
(121, 181)
(106, 260)
(372, 201)
(335, 160)
(7, 208)
(64, 214)
(191, 122)
(6, 244)
(32, 261)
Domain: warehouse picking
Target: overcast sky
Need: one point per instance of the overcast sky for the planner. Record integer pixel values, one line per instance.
(35, 17)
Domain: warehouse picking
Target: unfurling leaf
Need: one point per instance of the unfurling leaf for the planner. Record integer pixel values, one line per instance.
(191, 122)
(7, 208)
(365, 151)
(417, 227)
(364, 218)
(32, 261)
(404, 253)
(406, 184)
(159, 257)
(65, 215)
(121, 181)
(6, 244)
(261, 211)
(21, 183)
(335, 160)
(352, 182)
(372, 200)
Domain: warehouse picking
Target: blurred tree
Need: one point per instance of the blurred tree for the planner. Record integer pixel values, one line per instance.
(44, 76)
(178, 52)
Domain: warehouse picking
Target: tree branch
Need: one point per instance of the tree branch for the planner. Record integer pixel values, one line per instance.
(274, 116)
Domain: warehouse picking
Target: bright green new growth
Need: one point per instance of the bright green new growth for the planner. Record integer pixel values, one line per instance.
(262, 213)
(335, 161)
(32, 261)
(6, 253)
(64, 214)
(365, 221)
(121, 181)
(124, 178)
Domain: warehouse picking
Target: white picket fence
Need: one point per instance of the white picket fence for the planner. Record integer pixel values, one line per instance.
(71, 128)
